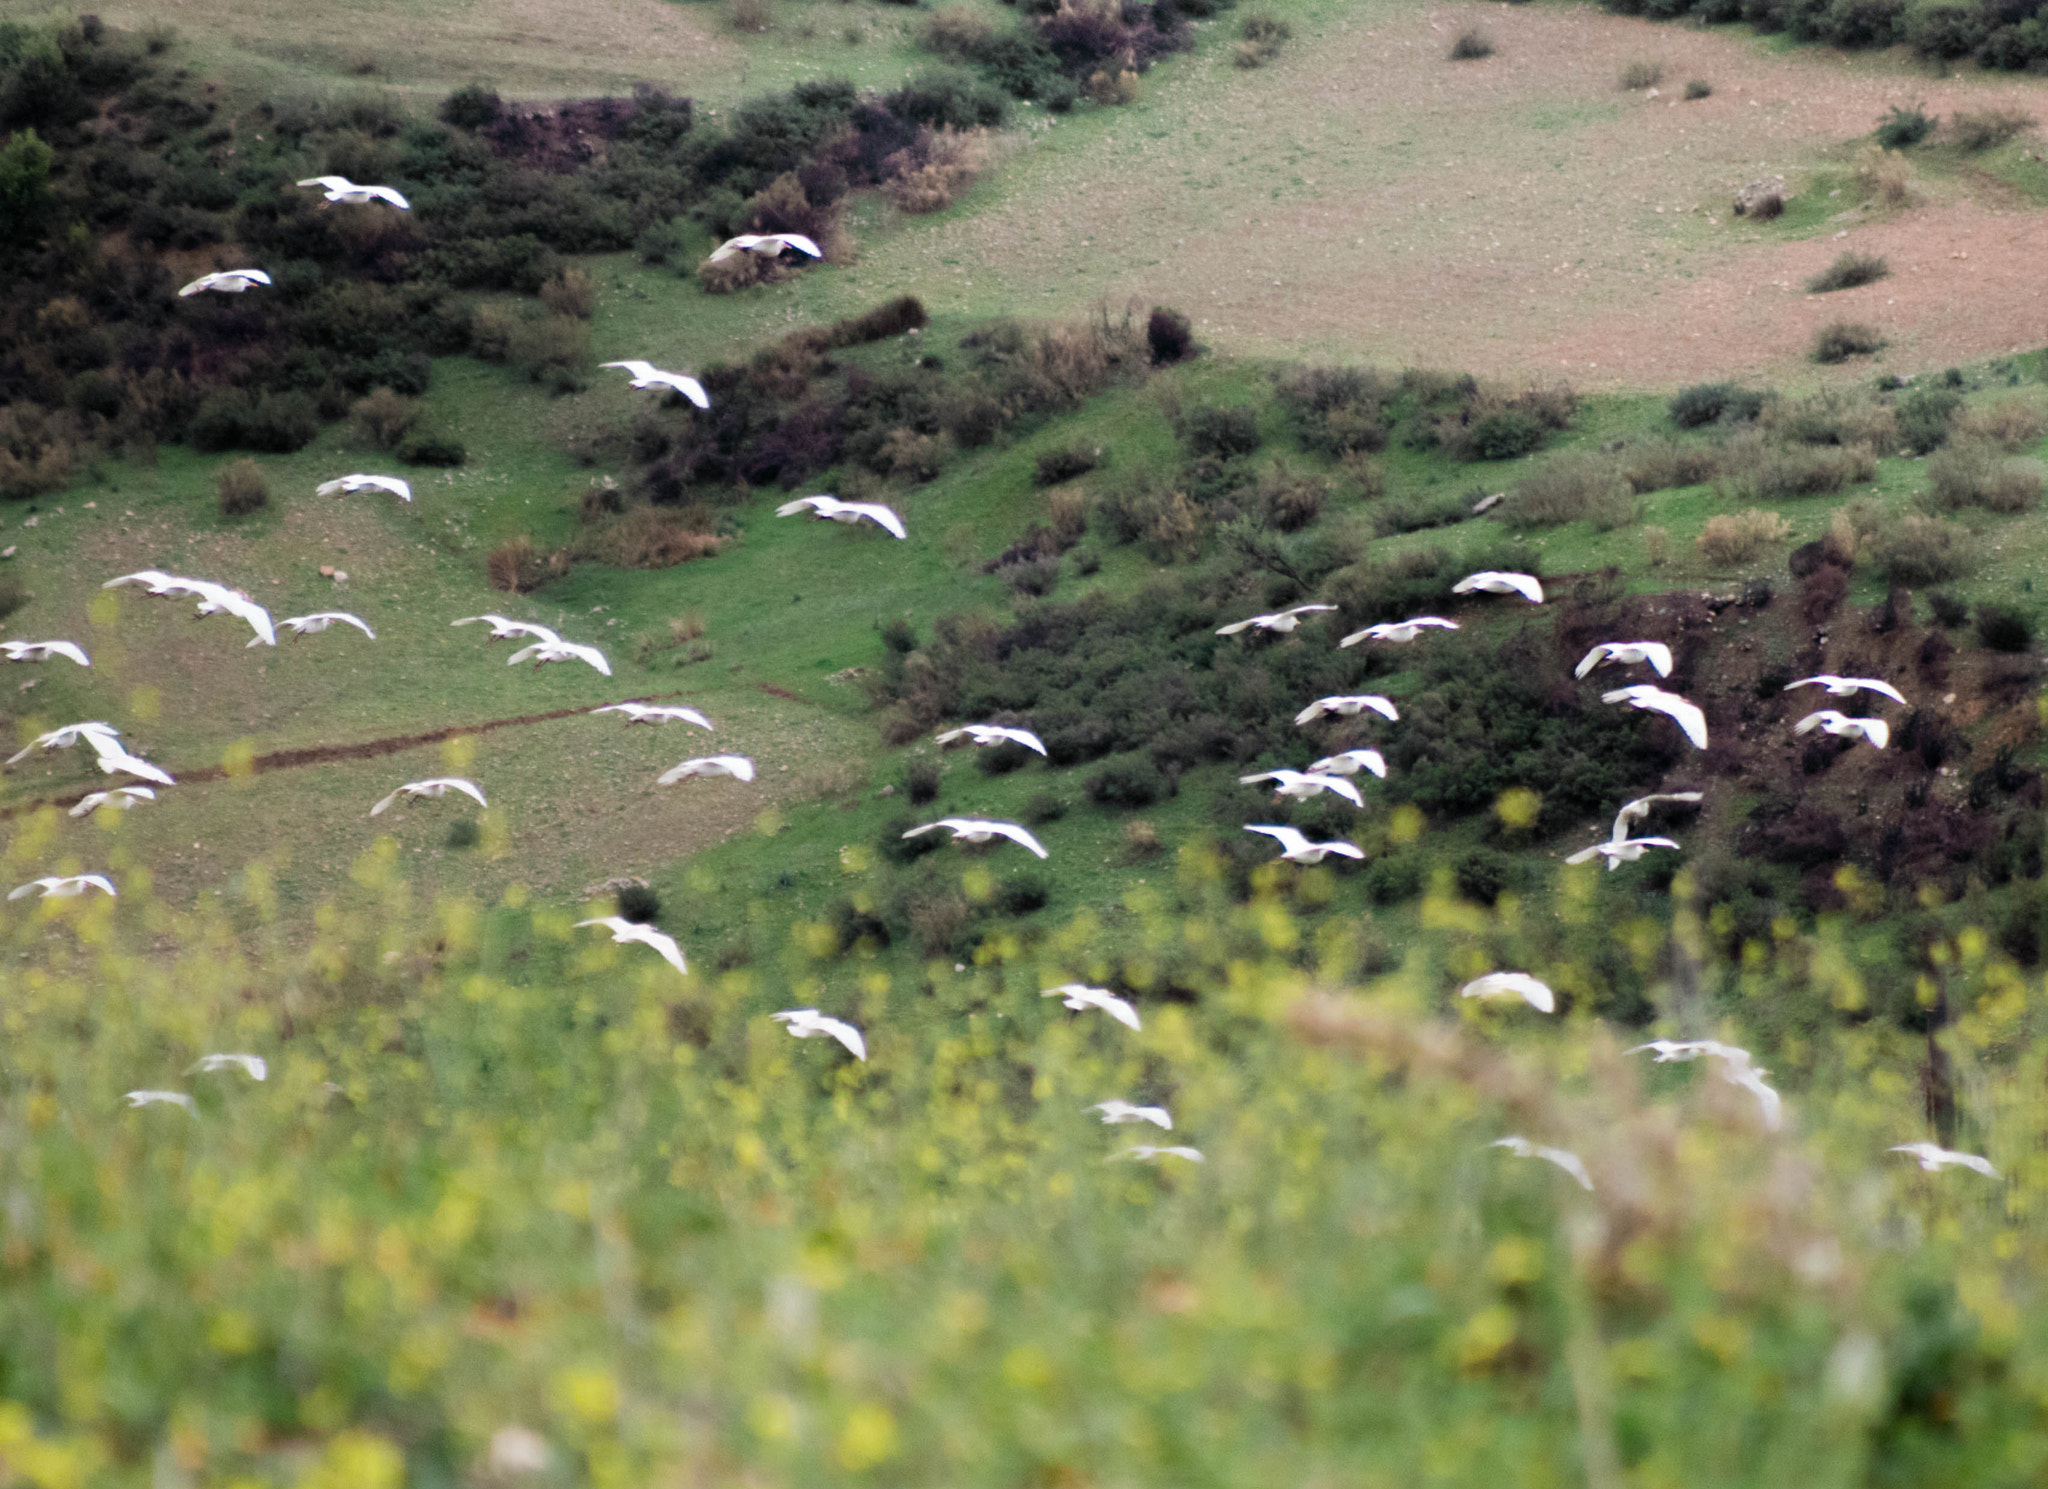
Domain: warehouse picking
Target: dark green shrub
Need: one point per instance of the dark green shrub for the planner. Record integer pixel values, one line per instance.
(2001, 629)
(1943, 30)
(1127, 782)
(1338, 410)
(1483, 873)
(1170, 336)
(1949, 610)
(1924, 418)
(639, 904)
(951, 99)
(1918, 551)
(1022, 895)
(1220, 432)
(463, 833)
(1392, 880)
(1506, 434)
(1640, 74)
(1471, 45)
(921, 779)
(1840, 340)
(1904, 126)
(473, 107)
(1697, 89)
(1043, 808)
(432, 449)
(1848, 272)
(1064, 464)
(899, 849)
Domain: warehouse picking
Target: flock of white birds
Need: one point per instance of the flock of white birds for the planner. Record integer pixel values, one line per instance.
(1332, 774)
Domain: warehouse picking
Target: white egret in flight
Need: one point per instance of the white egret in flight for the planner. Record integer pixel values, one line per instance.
(93, 733)
(341, 189)
(1664, 1051)
(1497, 582)
(345, 485)
(1350, 763)
(832, 509)
(161, 1098)
(981, 830)
(218, 599)
(624, 931)
(1564, 1158)
(226, 282)
(113, 758)
(808, 1023)
(254, 1066)
(42, 651)
(1689, 716)
(1116, 1112)
(1618, 851)
(1347, 706)
(1627, 654)
(312, 625)
(656, 713)
(427, 790)
(767, 245)
(1935, 1158)
(1147, 1153)
(647, 375)
(990, 734)
(1079, 996)
(1298, 849)
(1521, 985)
(56, 888)
(1877, 731)
(1848, 687)
(560, 651)
(1300, 785)
(1635, 811)
(739, 767)
(1283, 622)
(119, 799)
(1399, 630)
(503, 628)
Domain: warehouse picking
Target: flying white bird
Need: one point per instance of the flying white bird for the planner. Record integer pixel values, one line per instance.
(310, 625)
(226, 282)
(94, 733)
(1635, 811)
(437, 787)
(42, 651)
(65, 888)
(647, 375)
(1350, 763)
(624, 930)
(1147, 1153)
(768, 245)
(808, 1023)
(560, 651)
(1751, 1079)
(1301, 785)
(981, 830)
(1116, 1112)
(1877, 731)
(1512, 985)
(161, 1098)
(1689, 716)
(254, 1066)
(1848, 687)
(1399, 630)
(1496, 582)
(504, 628)
(1564, 1158)
(737, 766)
(1348, 706)
(1283, 622)
(344, 485)
(117, 800)
(1628, 654)
(1298, 849)
(1935, 1158)
(157, 582)
(655, 713)
(113, 758)
(1664, 1051)
(990, 734)
(218, 599)
(1079, 996)
(832, 509)
(1618, 851)
(341, 189)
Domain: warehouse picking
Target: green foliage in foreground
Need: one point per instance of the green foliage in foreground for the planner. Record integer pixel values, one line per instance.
(507, 1173)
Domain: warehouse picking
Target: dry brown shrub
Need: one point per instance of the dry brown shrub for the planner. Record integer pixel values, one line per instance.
(551, 344)
(750, 16)
(1657, 546)
(241, 488)
(516, 566)
(1734, 538)
(1964, 473)
(1833, 416)
(958, 33)
(1886, 175)
(910, 456)
(1112, 88)
(1141, 838)
(570, 292)
(1068, 511)
(742, 270)
(649, 538)
(928, 174)
(2011, 423)
(383, 417)
(36, 451)
(936, 920)
(490, 332)
(1664, 465)
(1177, 527)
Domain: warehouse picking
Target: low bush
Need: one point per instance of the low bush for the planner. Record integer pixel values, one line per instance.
(928, 174)
(1714, 403)
(1064, 464)
(1903, 126)
(1169, 335)
(949, 99)
(553, 350)
(472, 107)
(1917, 551)
(384, 417)
(242, 488)
(1697, 89)
(463, 834)
(571, 292)
(1338, 410)
(1732, 539)
(432, 449)
(1924, 419)
(1043, 808)
(1260, 40)
(1471, 45)
(1969, 474)
(1849, 271)
(2010, 424)
(1127, 782)
(2003, 629)
(648, 538)
(1665, 464)
(638, 903)
(1885, 176)
(1220, 432)
(1640, 74)
(1840, 340)
(958, 34)
(921, 781)
(1985, 129)
(1832, 416)
(516, 566)
(1576, 487)
(1949, 610)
